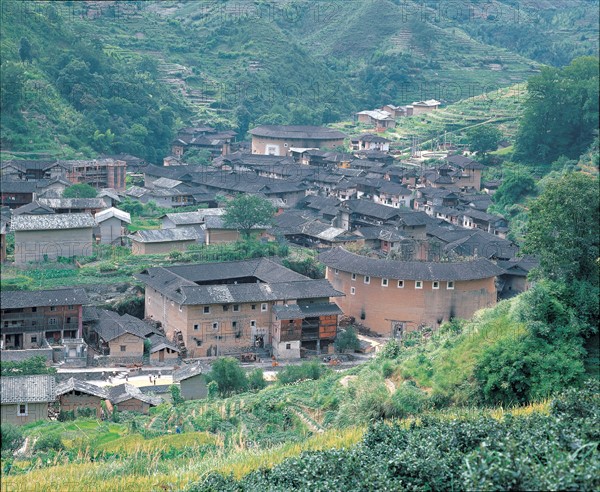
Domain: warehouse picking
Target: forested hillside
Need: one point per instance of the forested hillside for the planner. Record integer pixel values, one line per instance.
(90, 77)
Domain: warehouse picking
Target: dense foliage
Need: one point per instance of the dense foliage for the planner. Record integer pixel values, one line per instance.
(82, 190)
(483, 139)
(561, 113)
(27, 367)
(536, 452)
(228, 375)
(247, 212)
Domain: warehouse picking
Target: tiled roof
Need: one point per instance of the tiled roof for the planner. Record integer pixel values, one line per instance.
(73, 384)
(126, 391)
(15, 299)
(52, 222)
(111, 325)
(90, 203)
(27, 389)
(159, 342)
(111, 212)
(343, 260)
(296, 311)
(165, 235)
(303, 132)
(33, 208)
(188, 371)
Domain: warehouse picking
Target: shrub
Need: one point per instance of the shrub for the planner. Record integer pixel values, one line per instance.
(11, 437)
(347, 340)
(228, 375)
(176, 394)
(256, 379)
(407, 400)
(391, 350)
(387, 368)
(49, 442)
(307, 370)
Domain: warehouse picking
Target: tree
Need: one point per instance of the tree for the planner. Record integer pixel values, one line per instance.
(245, 212)
(81, 190)
(12, 437)
(483, 139)
(516, 185)
(347, 340)
(25, 50)
(27, 367)
(228, 375)
(563, 228)
(256, 379)
(560, 113)
(12, 81)
(176, 394)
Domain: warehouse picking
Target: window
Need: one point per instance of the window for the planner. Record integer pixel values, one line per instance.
(450, 285)
(196, 327)
(225, 307)
(180, 308)
(52, 308)
(70, 306)
(33, 309)
(51, 321)
(33, 339)
(401, 284)
(418, 284)
(198, 342)
(354, 276)
(384, 282)
(352, 290)
(253, 307)
(263, 306)
(336, 271)
(215, 325)
(68, 319)
(22, 411)
(367, 279)
(123, 348)
(253, 323)
(435, 285)
(206, 309)
(234, 324)
(288, 346)
(236, 307)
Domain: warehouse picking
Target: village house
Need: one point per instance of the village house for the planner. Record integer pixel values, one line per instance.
(368, 141)
(393, 195)
(99, 173)
(47, 237)
(162, 350)
(17, 193)
(227, 308)
(31, 170)
(398, 111)
(420, 107)
(75, 395)
(31, 320)
(217, 232)
(514, 279)
(279, 139)
(74, 205)
(202, 138)
(469, 171)
(192, 381)
(33, 208)
(112, 226)
(185, 220)
(382, 120)
(3, 231)
(161, 241)
(25, 399)
(126, 397)
(394, 297)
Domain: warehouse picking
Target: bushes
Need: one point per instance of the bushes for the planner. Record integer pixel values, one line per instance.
(256, 380)
(307, 370)
(49, 442)
(407, 400)
(347, 340)
(228, 375)
(176, 394)
(390, 350)
(11, 437)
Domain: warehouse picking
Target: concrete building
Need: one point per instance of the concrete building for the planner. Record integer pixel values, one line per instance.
(46, 237)
(393, 297)
(216, 309)
(279, 139)
(25, 399)
(161, 241)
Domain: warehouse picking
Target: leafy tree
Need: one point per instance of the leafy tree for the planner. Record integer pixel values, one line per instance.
(306, 370)
(199, 157)
(483, 139)
(27, 367)
(25, 50)
(228, 375)
(347, 340)
(515, 186)
(81, 190)
(49, 442)
(176, 394)
(256, 379)
(12, 81)
(561, 112)
(563, 228)
(248, 211)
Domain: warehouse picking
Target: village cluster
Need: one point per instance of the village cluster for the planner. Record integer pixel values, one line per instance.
(405, 247)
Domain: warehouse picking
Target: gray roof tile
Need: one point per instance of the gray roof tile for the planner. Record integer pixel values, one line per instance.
(27, 389)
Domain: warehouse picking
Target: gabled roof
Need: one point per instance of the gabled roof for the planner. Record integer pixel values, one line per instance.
(33, 208)
(167, 183)
(111, 212)
(73, 202)
(73, 384)
(369, 137)
(52, 222)
(218, 222)
(463, 162)
(165, 235)
(343, 260)
(188, 371)
(483, 244)
(296, 311)
(297, 132)
(15, 299)
(370, 209)
(27, 389)
(159, 342)
(123, 392)
(111, 325)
